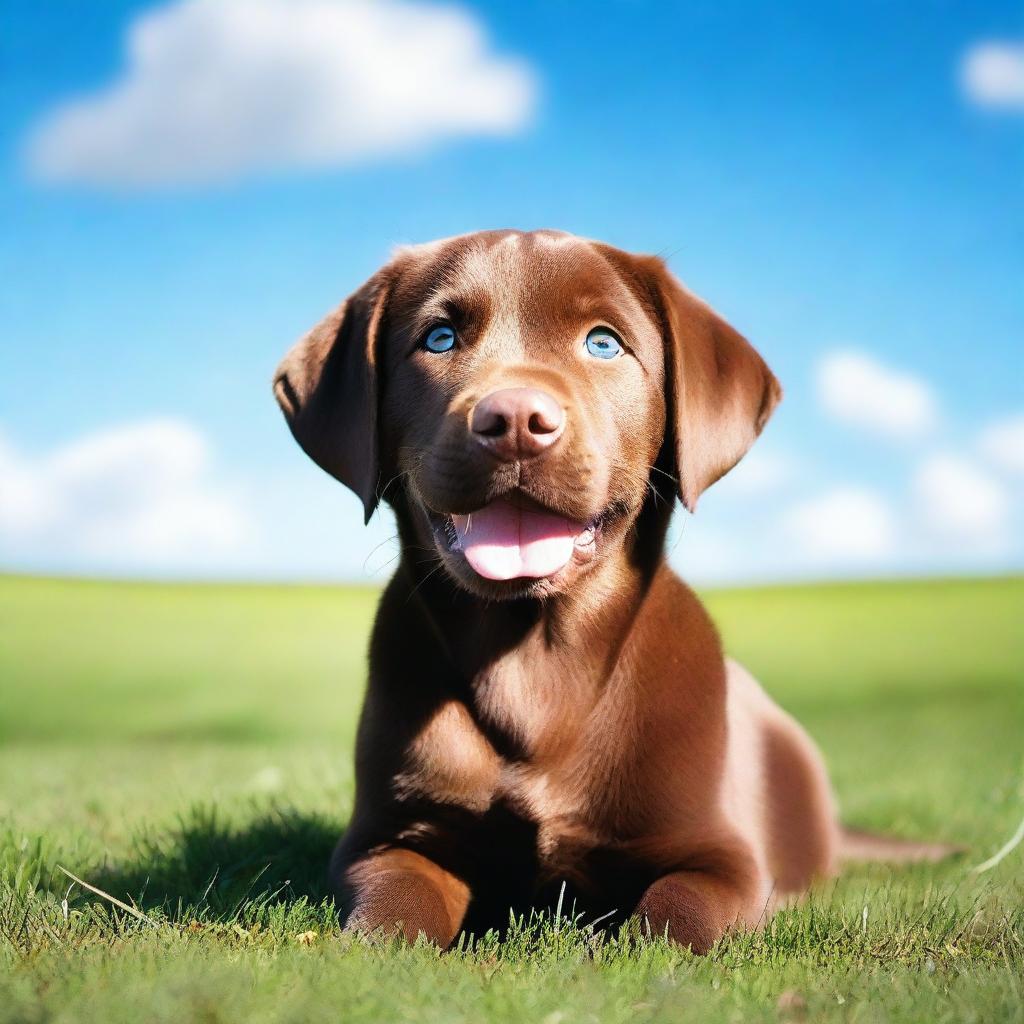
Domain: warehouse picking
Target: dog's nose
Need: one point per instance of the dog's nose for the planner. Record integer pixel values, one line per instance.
(517, 423)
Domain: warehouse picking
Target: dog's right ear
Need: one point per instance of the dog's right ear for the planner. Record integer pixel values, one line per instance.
(327, 388)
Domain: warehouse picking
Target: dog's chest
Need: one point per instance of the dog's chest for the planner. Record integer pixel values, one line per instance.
(561, 811)
(455, 762)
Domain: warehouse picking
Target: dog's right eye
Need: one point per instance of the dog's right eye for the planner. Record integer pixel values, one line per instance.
(440, 339)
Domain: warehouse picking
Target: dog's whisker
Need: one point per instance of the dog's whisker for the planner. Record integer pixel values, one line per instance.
(377, 547)
(437, 568)
(384, 490)
(658, 469)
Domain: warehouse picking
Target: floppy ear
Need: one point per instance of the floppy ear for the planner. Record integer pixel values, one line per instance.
(327, 388)
(720, 390)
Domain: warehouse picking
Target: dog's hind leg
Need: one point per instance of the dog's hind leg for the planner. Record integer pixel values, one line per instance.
(795, 811)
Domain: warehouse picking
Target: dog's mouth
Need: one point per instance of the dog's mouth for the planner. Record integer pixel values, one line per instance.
(513, 538)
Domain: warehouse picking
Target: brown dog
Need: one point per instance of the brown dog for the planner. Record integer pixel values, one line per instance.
(548, 703)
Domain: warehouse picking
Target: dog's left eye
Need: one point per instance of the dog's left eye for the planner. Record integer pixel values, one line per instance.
(602, 343)
(440, 339)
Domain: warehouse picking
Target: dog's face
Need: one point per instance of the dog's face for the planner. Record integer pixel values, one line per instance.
(518, 390)
(523, 405)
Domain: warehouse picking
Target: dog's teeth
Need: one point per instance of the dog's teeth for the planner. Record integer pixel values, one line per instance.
(454, 543)
(586, 538)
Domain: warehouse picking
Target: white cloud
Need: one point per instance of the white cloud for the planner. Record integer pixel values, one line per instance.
(760, 472)
(216, 89)
(137, 496)
(960, 501)
(857, 389)
(992, 74)
(1002, 443)
(844, 524)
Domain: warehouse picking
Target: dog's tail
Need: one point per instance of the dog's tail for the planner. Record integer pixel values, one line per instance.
(855, 845)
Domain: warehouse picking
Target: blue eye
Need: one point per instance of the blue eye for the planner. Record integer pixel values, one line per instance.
(440, 339)
(602, 343)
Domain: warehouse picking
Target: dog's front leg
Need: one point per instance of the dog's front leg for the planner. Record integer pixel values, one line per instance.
(694, 908)
(399, 892)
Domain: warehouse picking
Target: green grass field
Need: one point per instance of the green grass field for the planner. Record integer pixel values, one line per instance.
(187, 749)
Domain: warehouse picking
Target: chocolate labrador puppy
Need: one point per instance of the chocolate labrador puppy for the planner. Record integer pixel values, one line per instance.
(548, 702)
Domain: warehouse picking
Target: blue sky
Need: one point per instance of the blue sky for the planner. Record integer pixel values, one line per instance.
(843, 182)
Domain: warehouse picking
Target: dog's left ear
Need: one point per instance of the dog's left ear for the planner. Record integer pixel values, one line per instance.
(720, 390)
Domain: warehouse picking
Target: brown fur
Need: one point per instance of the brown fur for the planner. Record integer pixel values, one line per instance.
(585, 728)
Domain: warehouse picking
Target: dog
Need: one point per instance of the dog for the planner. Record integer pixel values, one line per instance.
(549, 712)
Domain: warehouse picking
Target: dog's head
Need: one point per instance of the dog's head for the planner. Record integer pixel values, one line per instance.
(520, 396)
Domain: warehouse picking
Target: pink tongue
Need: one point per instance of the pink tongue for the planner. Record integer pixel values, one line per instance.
(504, 542)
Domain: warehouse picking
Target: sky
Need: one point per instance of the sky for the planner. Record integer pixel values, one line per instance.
(186, 187)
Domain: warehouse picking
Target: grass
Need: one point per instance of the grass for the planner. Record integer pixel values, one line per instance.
(187, 749)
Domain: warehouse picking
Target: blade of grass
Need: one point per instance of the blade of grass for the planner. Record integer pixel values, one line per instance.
(134, 911)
